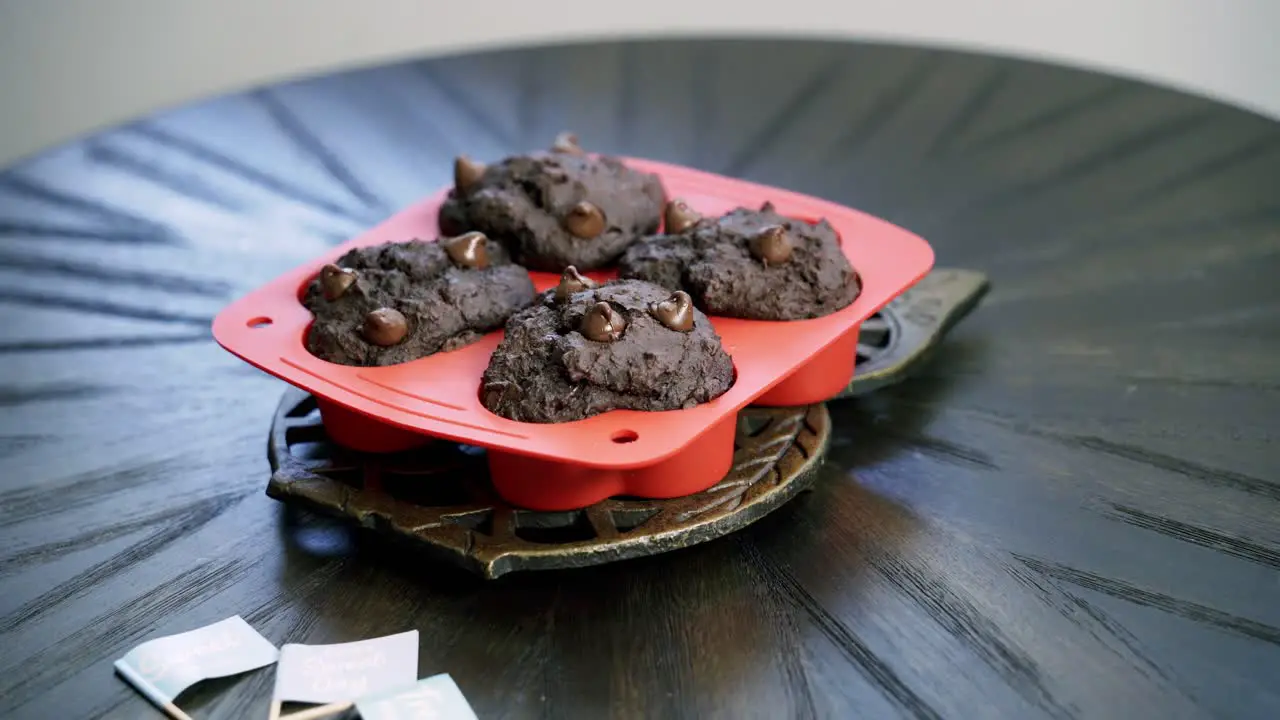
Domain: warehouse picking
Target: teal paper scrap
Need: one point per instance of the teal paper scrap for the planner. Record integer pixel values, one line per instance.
(346, 671)
(433, 698)
(162, 668)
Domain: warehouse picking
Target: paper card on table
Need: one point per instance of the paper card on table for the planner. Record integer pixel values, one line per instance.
(162, 668)
(346, 671)
(433, 698)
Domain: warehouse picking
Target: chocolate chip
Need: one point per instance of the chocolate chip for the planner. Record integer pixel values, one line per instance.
(676, 312)
(466, 173)
(496, 393)
(566, 142)
(335, 281)
(468, 250)
(602, 323)
(385, 327)
(492, 398)
(680, 217)
(571, 281)
(584, 220)
(771, 245)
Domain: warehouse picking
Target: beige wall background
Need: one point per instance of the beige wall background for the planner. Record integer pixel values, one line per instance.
(68, 67)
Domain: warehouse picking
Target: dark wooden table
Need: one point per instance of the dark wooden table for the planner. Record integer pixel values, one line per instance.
(1073, 512)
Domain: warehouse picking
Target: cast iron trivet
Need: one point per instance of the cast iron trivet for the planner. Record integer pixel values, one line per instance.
(439, 497)
(894, 341)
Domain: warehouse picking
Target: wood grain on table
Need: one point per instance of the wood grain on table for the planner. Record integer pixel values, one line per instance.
(1074, 511)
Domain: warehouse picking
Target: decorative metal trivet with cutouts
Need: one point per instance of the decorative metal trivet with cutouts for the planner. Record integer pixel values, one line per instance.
(439, 497)
(899, 338)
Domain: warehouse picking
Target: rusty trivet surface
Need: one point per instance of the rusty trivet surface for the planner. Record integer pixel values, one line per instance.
(898, 339)
(439, 498)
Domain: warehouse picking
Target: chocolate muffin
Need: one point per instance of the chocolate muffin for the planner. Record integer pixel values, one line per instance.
(752, 264)
(582, 349)
(398, 302)
(555, 209)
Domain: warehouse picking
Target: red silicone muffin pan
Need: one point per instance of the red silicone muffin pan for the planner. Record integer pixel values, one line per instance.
(571, 465)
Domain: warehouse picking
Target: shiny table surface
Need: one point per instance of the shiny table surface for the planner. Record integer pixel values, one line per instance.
(1073, 511)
